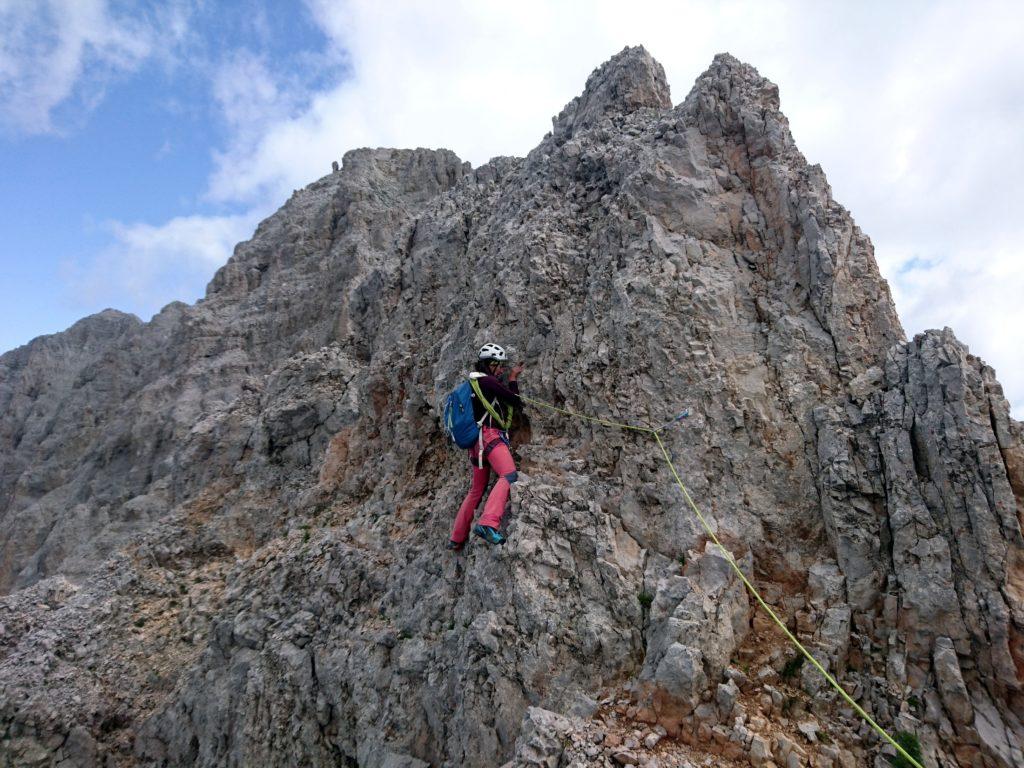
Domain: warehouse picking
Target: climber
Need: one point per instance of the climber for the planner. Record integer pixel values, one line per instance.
(493, 403)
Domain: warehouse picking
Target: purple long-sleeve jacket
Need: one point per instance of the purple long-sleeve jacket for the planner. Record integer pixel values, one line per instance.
(493, 389)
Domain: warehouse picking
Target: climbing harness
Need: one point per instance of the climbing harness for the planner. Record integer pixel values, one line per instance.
(655, 431)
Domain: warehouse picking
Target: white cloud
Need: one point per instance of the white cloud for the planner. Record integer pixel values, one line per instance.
(481, 79)
(246, 92)
(146, 264)
(47, 47)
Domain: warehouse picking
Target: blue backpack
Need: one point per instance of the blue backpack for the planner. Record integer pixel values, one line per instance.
(458, 416)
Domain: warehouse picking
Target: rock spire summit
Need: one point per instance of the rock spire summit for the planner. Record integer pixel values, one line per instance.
(628, 81)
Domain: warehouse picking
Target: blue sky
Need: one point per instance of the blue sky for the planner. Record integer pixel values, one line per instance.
(140, 141)
(131, 145)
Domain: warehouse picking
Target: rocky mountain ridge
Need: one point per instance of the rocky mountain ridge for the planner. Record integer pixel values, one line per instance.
(223, 529)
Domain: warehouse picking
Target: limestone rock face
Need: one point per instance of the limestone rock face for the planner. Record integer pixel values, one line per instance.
(223, 530)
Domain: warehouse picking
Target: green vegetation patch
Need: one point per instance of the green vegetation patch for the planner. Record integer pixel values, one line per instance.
(912, 745)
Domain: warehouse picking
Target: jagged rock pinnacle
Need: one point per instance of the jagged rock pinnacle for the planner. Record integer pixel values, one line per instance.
(628, 81)
(733, 97)
(738, 81)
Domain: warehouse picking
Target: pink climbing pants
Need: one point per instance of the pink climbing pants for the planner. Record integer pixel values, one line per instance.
(499, 458)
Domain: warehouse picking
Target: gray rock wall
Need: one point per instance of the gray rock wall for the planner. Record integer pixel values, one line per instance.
(261, 480)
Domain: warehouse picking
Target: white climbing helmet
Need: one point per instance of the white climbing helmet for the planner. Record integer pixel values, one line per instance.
(493, 352)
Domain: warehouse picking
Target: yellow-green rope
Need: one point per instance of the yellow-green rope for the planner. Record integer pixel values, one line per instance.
(607, 423)
(729, 558)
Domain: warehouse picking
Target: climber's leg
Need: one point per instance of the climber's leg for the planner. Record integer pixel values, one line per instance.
(500, 459)
(460, 531)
